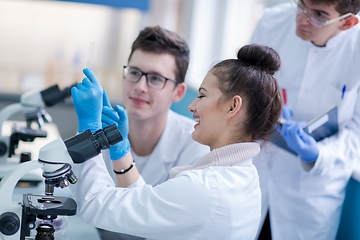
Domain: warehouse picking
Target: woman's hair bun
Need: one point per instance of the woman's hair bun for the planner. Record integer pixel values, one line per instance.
(261, 56)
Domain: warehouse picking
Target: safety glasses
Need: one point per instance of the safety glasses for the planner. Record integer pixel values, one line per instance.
(313, 15)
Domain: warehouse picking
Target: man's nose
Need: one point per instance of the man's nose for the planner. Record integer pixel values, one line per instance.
(303, 18)
(142, 84)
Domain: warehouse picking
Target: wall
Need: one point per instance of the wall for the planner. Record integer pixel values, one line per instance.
(182, 106)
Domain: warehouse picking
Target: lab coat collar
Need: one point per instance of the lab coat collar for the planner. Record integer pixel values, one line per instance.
(228, 155)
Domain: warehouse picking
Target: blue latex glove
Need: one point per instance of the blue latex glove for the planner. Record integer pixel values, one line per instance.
(87, 99)
(119, 117)
(297, 139)
(286, 112)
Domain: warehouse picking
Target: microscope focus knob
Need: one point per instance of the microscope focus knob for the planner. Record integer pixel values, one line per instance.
(9, 223)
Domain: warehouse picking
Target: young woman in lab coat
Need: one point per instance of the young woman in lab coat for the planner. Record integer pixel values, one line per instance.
(218, 197)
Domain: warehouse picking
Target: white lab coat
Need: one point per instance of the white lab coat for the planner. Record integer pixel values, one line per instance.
(305, 203)
(218, 202)
(175, 148)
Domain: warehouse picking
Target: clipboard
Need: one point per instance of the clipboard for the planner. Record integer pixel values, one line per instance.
(319, 128)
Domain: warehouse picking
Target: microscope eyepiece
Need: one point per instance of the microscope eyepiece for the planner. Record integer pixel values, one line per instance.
(53, 95)
(86, 144)
(112, 134)
(81, 147)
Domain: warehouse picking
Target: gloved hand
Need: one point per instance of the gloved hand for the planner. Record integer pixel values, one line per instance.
(119, 117)
(87, 98)
(297, 139)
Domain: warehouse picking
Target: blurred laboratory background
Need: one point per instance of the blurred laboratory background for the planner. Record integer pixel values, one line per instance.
(46, 42)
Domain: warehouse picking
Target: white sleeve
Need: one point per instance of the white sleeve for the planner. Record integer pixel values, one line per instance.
(176, 209)
(339, 150)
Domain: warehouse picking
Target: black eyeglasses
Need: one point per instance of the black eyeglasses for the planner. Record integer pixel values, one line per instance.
(133, 74)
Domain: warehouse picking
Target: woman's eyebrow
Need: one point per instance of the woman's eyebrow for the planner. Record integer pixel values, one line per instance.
(202, 88)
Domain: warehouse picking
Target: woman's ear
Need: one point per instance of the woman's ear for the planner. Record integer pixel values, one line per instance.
(349, 22)
(235, 105)
(179, 92)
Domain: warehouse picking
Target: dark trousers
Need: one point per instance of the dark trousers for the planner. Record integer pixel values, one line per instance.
(108, 235)
(265, 233)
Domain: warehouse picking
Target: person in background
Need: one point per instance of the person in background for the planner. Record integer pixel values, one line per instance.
(319, 44)
(218, 197)
(152, 80)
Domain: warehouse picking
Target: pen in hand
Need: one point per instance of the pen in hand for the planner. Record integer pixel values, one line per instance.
(282, 120)
(284, 95)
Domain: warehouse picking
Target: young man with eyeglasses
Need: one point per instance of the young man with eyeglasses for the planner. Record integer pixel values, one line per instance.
(319, 45)
(152, 80)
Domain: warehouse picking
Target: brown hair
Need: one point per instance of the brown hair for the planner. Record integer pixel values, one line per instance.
(159, 40)
(251, 77)
(341, 6)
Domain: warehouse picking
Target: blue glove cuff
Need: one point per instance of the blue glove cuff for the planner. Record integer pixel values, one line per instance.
(120, 149)
(310, 158)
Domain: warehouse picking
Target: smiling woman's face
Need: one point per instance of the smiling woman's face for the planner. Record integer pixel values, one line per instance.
(209, 111)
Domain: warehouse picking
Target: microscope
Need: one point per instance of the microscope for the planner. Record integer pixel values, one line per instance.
(55, 160)
(32, 104)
